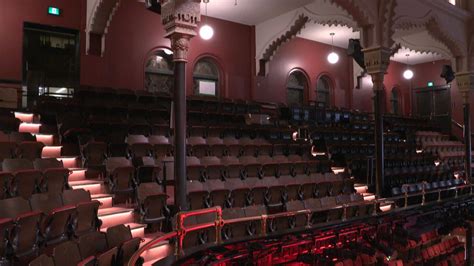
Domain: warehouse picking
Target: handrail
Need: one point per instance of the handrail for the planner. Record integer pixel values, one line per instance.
(219, 222)
(457, 124)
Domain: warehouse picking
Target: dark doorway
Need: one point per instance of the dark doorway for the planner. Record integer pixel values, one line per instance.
(50, 60)
(434, 103)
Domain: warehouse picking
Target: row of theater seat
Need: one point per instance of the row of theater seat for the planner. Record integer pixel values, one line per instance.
(427, 187)
(44, 220)
(95, 248)
(432, 249)
(327, 209)
(23, 177)
(269, 191)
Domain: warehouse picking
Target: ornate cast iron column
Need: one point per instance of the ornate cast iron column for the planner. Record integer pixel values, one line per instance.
(180, 19)
(465, 83)
(377, 60)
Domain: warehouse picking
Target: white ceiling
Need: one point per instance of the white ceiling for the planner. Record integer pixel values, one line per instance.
(253, 12)
(250, 12)
(415, 57)
(321, 33)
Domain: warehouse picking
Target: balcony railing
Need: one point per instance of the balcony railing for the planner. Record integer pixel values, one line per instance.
(181, 230)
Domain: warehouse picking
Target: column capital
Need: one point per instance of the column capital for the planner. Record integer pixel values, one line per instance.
(376, 61)
(180, 19)
(465, 82)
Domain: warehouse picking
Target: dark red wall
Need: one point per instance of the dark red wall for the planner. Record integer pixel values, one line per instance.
(135, 32)
(309, 56)
(13, 13)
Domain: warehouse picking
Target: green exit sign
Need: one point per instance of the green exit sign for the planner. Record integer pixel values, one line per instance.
(430, 83)
(54, 11)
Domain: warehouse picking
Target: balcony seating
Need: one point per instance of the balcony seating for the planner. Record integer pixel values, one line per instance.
(120, 236)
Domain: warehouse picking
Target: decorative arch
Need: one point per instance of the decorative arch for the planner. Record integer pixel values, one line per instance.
(297, 86)
(289, 34)
(208, 71)
(158, 70)
(99, 17)
(328, 93)
(430, 23)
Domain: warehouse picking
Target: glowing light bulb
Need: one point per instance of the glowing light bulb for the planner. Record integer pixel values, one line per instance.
(206, 32)
(408, 74)
(333, 58)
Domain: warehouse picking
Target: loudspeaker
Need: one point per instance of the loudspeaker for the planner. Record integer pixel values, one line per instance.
(354, 49)
(153, 5)
(447, 73)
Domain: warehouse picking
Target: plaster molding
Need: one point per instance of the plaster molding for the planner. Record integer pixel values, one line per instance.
(430, 23)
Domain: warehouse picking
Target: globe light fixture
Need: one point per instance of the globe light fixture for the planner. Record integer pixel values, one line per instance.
(408, 74)
(206, 32)
(333, 57)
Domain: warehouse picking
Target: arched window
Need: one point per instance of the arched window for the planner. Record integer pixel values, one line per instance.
(323, 92)
(159, 72)
(395, 101)
(296, 87)
(206, 77)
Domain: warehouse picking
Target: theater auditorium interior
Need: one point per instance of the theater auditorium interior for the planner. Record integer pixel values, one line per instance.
(236, 132)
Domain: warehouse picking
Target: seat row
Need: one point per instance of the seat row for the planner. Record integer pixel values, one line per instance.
(269, 191)
(44, 220)
(23, 177)
(323, 210)
(115, 247)
(248, 166)
(24, 149)
(427, 186)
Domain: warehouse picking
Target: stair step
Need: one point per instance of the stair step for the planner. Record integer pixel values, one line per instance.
(77, 174)
(368, 196)
(115, 215)
(33, 128)
(25, 117)
(69, 162)
(46, 139)
(93, 186)
(105, 199)
(157, 251)
(51, 152)
(361, 188)
(138, 230)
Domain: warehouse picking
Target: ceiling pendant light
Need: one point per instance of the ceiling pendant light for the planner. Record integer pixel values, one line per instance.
(408, 74)
(333, 57)
(206, 32)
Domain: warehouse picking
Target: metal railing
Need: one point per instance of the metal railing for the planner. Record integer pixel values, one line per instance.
(219, 222)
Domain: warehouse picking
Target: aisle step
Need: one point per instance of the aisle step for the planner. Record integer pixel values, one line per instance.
(157, 251)
(25, 117)
(33, 128)
(115, 215)
(93, 186)
(105, 199)
(46, 139)
(77, 174)
(69, 162)
(368, 196)
(138, 230)
(51, 152)
(361, 188)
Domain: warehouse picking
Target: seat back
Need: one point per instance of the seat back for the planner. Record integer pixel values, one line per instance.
(116, 235)
(66, 253)
(14, 165)
(43, 260)
(75, 196)
(92, 243)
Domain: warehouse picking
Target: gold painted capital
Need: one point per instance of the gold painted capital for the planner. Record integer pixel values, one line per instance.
(376, 61)
(465, 82)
